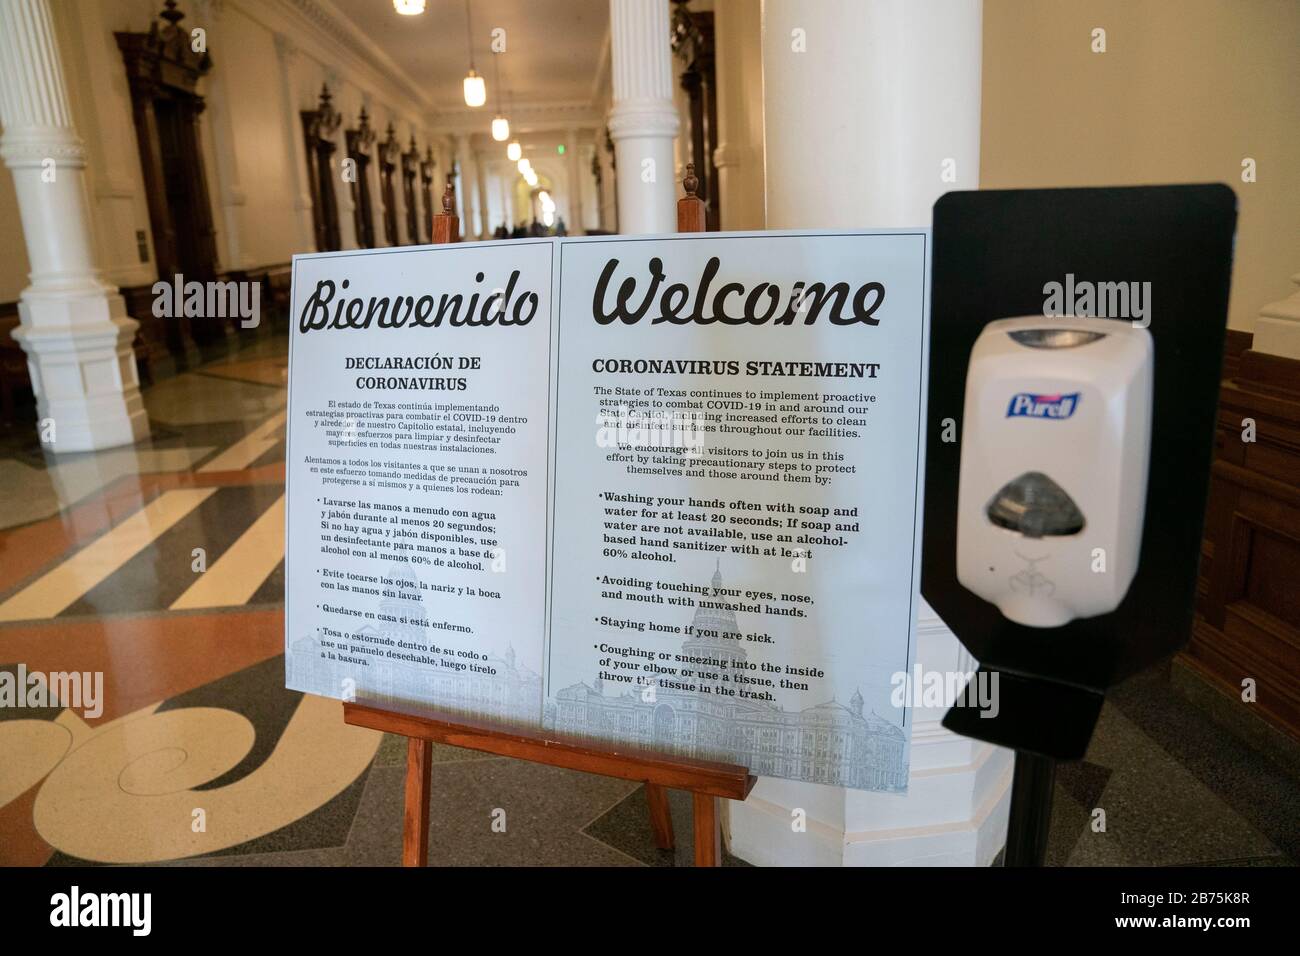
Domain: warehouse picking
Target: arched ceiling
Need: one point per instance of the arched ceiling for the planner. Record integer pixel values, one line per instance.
(555, 52)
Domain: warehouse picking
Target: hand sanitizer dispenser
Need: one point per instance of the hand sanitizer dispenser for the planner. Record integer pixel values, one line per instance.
(1054, 454)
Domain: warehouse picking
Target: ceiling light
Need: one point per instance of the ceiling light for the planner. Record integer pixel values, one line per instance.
(500, 129)
(514, 151)
(524, 165)
(409, 8)
(475, 89)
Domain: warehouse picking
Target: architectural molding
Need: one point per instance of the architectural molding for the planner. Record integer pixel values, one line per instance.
(25, 147)
(330, 22)
(1277, 329)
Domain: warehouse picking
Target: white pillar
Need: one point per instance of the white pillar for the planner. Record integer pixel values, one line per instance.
(505, 194)
(574, 220)
(74, 327)
(643, 121)
(864, 106)
(468, 190)
(863, 102)
(295, 147)
(1277, 329)
(480, 176)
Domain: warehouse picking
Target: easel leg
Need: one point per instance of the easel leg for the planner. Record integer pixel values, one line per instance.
(415, 823)
(708, 831)
(661, 820)
(1031, 809)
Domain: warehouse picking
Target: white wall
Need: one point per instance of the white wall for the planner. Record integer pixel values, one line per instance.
(739, 154)
(1183, 93)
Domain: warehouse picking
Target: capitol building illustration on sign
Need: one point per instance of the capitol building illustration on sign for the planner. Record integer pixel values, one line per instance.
(829, 743)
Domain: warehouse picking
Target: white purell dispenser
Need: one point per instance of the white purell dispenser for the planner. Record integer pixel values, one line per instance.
(1054, 453)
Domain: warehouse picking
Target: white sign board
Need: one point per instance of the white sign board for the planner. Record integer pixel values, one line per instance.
(671, 500)
(416, 470)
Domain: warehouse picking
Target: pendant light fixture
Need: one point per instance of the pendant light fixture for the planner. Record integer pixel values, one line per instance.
(500, 125)
(475, 88)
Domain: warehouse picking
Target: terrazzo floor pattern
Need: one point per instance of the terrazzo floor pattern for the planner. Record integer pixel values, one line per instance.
(304, 790)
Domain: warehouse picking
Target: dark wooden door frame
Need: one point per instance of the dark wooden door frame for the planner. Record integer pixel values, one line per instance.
(162, 68)
(426, 186)
(319, 128)
(693, 43)
(411, 169)
(390, 156)
(360, 141)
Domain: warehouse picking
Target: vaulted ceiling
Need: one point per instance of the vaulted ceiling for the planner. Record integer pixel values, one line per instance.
(554, 52)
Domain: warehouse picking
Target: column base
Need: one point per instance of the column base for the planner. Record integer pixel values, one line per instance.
(1277, 329)
(953, 814)
(966, 820)
(82, 369)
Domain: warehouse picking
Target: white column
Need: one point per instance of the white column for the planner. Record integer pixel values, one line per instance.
(1277, 329)
(573, 221)
(643, 121)
(468, 187)
(480, 175)
(295, 146)
(73, 327)
(501, 185)
(863, 102)
(864, 106)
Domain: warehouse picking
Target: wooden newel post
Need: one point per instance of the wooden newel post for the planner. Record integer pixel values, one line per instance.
(446, 225)
(690, 208)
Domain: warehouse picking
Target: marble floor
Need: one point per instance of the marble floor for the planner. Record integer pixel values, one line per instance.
(161, 566)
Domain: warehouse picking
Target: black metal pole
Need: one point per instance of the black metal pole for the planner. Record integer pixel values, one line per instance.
(1031, 809)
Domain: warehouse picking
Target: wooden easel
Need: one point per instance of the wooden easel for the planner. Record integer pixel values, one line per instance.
(705, 780)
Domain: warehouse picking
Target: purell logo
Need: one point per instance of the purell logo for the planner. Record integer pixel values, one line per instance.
(1026, 405)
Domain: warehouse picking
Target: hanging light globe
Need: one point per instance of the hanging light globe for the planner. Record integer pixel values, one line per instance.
(475, 89)
(524, 165)
(500, 129)
(514, 151)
